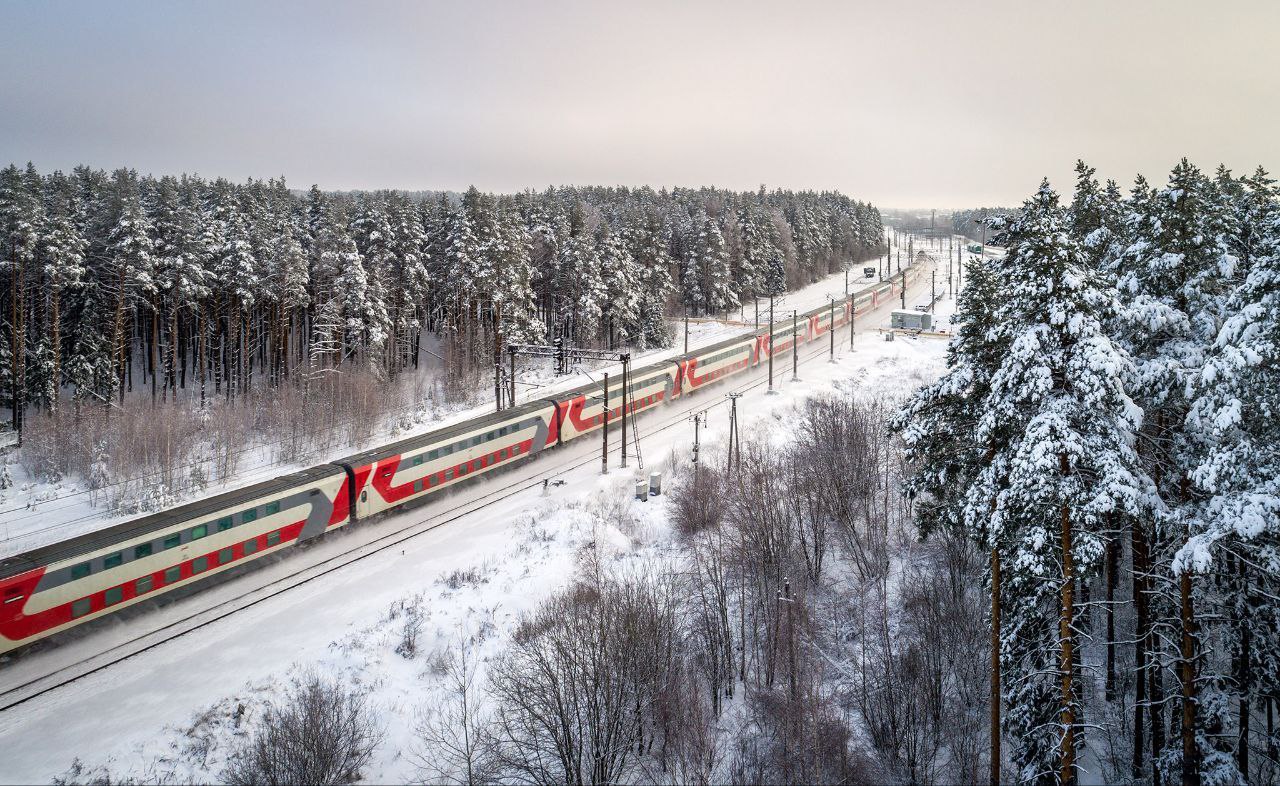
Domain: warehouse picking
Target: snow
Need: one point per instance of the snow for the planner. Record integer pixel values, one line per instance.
(172, 708)
(34, 513)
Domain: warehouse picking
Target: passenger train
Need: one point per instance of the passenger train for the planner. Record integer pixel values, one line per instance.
(56, 587)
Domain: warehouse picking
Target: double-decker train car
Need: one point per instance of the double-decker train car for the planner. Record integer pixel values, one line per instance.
(53, 588)
(65, 584)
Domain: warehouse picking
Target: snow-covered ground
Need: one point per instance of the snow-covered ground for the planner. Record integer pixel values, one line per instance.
(35, 513)
(173, 709)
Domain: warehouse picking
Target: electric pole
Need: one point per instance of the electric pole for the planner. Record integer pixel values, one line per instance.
(697, 423)
(626, 364)
(735, 442)
(853, 312)
(795, 345)
(604, 431)
(832, 327)
(903, 291)
(497, 357)
(770, 343)
(933, 288)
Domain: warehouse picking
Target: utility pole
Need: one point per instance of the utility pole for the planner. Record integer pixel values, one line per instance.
(697, 423)
(853, 312)
(735, 442)
(903, 291)
(770, 343)
(512, 352)
(757, 300)
(933, 288)
(604, 431)
(626, 368)
(497, 357)
(686, 330)
(831, 327)
(795, 345)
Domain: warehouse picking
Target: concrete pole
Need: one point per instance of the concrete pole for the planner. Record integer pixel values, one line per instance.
(770, 342)
(604, 429)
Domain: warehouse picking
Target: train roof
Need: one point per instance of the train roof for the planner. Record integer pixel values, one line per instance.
(442, 433)
(127, 530)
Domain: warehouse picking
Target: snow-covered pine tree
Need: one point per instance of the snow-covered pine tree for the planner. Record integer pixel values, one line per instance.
(290, 283)
(132, 261)
(361, 312)
(648, 247)
(718, 284)
(1235, 531)
(619, 276)
(579, 281)
(62, 254)
(238, 271)
(412, 281)
(20, 220)
(1059, 427)
(1172, 279)
(1096, 216)
(513, 287)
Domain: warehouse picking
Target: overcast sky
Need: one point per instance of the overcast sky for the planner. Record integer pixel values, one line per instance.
(945, 104)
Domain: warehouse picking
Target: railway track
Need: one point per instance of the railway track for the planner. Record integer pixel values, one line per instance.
(33, 688)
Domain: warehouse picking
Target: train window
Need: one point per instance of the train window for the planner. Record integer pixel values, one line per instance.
(225, 556)
(199, 532)
(142, 585)
(433, 455)
(448, 474)
(417, 460)
(173, 540)
(172, 574)
(199, 565)
(250, 546)
(112, 560)
(271, 507)
(224, 524)
(249, 515)
(417, 486)
(80, 607)
(142, 551)
(80, 571)
(273, 538)
(114, 596)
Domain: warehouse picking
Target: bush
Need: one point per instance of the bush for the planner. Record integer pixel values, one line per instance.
(321, 733)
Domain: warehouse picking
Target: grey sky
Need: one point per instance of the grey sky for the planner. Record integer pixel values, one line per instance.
(903, 103)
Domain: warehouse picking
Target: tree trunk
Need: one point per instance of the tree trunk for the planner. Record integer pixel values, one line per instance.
(55, 336)
(151, 353)
(1067, 753)
(995, 667)
(1190, 752)
(1138, 557)
(16, 342)
(1113, 564)
(1243, 674)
